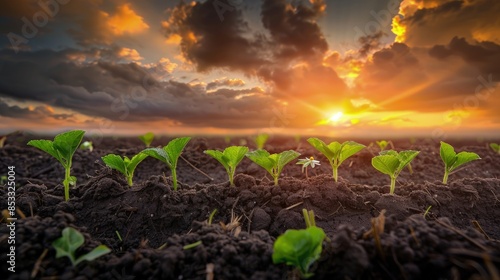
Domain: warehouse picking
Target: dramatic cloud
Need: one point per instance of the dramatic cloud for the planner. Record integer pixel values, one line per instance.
(225, 82)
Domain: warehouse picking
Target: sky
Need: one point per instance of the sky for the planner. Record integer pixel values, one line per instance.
(313, 67)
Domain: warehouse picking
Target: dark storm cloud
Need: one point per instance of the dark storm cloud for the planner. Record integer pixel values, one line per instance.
(115, 91)
(32, 113)
(293, 29)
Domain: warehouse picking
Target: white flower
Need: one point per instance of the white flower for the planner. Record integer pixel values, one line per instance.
(308, 161)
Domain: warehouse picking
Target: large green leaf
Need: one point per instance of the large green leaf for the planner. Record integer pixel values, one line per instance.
(67, 143)
(46, 146)
(285, 157)
(448, 154)
(300, 248)
(158, 154)
(463, 158)
(234, 155)
(321, 147)
(262, 158)
(348, 149)
(405, 157)
(97, 252)
(174, 149)
(116, 162)
(387, 164)
(131, 164)
(219, 156)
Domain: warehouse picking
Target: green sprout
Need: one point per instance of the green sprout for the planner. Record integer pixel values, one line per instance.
(192, 245)
(392, 163)
(169, 154)
(382, 144)
(300, 248)
(335, 152)
(452, 160)
(87, 145)
(230, 158)
(272, 163)
(2, 141)
(3, 179)
(227, 139)
(260, 140)
(147, 139)
(71, 240)
(124, 165)
(495, 147)
(62, 148)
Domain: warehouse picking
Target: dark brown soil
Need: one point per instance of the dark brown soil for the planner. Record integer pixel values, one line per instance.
(155, 222)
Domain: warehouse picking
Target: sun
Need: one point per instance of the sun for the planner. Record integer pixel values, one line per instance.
(335, 117)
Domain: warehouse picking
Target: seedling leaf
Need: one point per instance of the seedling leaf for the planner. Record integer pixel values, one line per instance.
(335, 152)
(260, 140)
(272, 163)
(62, 148)
(169, 154)
(230, 158)
(116, 162)
(124, 165)
(495, 147)
(147, 138)
(300, 248)
(392, 163)
(70, 241)
(452, 160)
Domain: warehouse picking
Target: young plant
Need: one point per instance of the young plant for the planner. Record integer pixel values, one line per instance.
(62, 148)
(87, 145)
(495, 147)
(230, 158)
(382, 144)
(452, 160)
(70, 241)
(272, 163)
(392, 163)
(300, 248)
(260, 140)
(147, 139)
(335, 152)
(169, 154)
(124, 165)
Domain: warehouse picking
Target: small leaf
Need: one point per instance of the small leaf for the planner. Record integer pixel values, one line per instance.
(405, 157)
(67, 143)
(285, 157)
(447, 153)
(463, 158)
(260, 140)
(321, 147)
(235, 155)
(116, 162)
(335, 147)
(382, 144)
(219, 156)
(174, 149)
(46, 146)
(495, 147)
(349, 148)
(147, 138)
(132, 164)
(262, 158)
(67, 245)
(387, 164)
(97, 252)
(158, 154)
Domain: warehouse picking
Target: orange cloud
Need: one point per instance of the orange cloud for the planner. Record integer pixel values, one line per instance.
(126, 20)
(129, 54)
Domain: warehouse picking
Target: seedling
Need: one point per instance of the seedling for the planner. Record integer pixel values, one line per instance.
(335, 152)
(2, 141)
(272, 163)
(124, 165)
(392, 163)
(211, 217)
(260, 140)
(70, 241)
(306, 162)
(300, 248)
(495, 147)
(169, 154)
(227, 139)
(147, 139)
(87, 145)
(452, 160)
(230, 158)
(62, 148)
(192, 245)
(382, 144)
